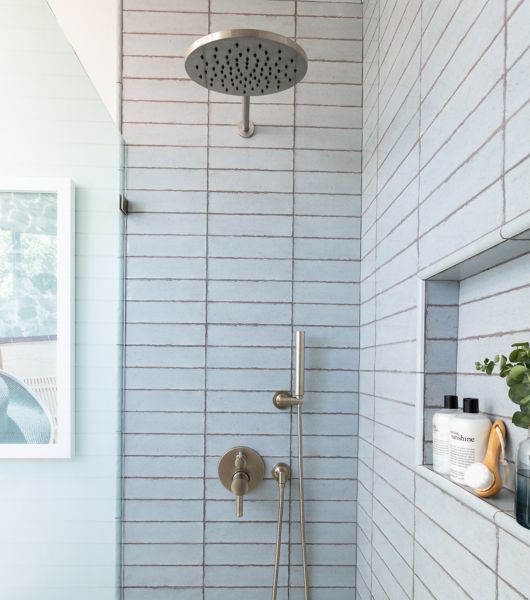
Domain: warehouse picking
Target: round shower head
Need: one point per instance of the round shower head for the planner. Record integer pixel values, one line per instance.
(246, 62)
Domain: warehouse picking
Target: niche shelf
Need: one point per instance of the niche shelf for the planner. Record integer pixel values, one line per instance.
(463, 318)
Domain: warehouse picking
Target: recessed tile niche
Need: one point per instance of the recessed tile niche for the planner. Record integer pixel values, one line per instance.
(473, 309)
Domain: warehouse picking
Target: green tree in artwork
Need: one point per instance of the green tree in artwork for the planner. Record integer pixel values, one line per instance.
(28, 262)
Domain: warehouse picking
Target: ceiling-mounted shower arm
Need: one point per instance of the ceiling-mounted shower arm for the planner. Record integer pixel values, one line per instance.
(246, 126)
(284, 399)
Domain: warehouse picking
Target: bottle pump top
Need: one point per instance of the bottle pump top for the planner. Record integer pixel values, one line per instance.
(471, 405)
(450, 401)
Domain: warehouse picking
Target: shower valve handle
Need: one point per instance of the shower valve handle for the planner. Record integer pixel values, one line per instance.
(239, 488)
(240, 481)
(240, 470)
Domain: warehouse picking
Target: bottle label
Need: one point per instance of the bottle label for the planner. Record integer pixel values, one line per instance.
(440, 449)
(440, 446)
(458, 437)
(462, 453)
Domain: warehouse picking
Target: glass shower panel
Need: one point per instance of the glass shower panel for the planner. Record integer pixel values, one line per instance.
(60, 519)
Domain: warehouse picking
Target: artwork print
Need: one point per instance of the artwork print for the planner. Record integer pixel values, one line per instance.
(32, 355)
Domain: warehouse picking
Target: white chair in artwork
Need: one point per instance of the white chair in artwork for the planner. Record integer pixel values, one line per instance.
(23, 418)
(45, 389)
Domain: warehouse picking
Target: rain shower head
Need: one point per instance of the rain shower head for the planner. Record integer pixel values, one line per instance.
(246, 62)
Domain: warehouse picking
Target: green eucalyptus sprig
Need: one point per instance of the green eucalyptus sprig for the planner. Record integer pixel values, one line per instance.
(516, 370)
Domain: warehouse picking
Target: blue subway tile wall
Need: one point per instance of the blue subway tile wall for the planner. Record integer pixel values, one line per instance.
(445, 160)
(232, 245)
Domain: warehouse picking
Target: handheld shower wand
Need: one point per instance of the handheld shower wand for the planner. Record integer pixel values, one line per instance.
(283, 400)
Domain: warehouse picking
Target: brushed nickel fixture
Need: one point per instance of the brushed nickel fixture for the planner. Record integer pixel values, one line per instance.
(245, 62)
(283, 400)
(281, 472)
(240, 470)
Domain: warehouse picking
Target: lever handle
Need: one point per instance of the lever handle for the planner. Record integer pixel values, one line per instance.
(239, 488)
(239, 506)
(240, 470)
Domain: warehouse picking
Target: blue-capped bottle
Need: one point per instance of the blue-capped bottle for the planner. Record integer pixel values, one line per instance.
(522, 484)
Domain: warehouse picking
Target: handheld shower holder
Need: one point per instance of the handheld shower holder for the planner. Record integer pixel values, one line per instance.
(283, 400)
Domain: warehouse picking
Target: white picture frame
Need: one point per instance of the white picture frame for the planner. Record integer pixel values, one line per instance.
(62, 446)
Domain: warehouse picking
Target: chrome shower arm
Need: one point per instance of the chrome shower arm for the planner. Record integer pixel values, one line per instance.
(246, 126)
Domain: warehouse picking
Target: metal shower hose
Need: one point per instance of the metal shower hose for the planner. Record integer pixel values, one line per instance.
(281, 500)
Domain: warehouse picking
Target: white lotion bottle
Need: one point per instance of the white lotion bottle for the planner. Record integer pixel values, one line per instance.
(441, 434)
(469, 439)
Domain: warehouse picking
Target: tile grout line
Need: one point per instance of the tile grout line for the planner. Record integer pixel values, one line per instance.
(418, 191)
(375, 304)
(291, 420)
(504, 109)
(205, 413)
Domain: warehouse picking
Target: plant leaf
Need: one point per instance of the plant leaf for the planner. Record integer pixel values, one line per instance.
(514, 355)
(525, 401)
(521, 419)
(520, 393)
(516, 375)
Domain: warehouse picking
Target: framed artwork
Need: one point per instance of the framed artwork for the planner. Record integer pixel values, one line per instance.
(36, 318)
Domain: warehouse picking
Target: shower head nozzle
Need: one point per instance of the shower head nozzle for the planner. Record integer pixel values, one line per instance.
(245, 62)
